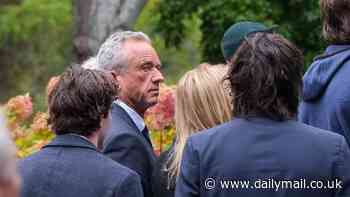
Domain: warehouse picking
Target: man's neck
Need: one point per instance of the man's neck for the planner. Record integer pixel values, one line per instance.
(93, 138)
(134, 115)
(138, 110)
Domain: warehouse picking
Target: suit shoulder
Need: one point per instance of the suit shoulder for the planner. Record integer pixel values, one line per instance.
(120, 130)
(319, 133)
(320, 136)
(111, 169)
(211, 132)
(208, 135)
(121, 139)
(33, 158)
(116, 167)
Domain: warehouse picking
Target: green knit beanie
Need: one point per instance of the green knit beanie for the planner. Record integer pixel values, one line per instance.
(234, 36)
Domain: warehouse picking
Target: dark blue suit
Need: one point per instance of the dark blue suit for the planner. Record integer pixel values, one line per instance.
(125, 144)
(70, 166)
(260, 150)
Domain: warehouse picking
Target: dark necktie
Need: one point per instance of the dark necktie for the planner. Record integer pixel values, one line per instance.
(145, 133)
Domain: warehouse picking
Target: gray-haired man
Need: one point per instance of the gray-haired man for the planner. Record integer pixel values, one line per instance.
(136, 67)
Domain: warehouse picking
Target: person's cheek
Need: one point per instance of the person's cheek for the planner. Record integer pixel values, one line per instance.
(146, 81)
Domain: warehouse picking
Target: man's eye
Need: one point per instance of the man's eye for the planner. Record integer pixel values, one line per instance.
(147, 67)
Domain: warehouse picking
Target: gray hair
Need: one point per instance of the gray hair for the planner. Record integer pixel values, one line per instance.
(90, 63)
(7, 152)
(111, 55)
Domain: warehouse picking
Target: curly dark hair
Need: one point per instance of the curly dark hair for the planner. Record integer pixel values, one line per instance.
(266, 77)
(336, 21)
(79, 100)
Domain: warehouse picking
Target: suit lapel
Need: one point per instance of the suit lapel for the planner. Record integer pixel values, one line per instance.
(119, 113)
(145, 134)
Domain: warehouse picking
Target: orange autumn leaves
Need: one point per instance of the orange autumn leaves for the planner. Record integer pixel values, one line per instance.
(19, 109)
(160, 119)
(29, 131)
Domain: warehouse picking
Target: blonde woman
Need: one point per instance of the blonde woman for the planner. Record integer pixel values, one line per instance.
(202, 102)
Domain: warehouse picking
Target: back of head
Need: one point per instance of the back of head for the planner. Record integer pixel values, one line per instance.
(235, 35)
(265, 77)
(201, 101)
(79, 101)
(8, 176)
(336, 21)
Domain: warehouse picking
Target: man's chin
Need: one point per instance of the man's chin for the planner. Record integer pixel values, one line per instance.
(152, 102)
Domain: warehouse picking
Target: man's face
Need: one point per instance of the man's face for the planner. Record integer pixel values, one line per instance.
(139, 83)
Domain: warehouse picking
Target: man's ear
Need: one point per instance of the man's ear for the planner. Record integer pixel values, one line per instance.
(114, 75)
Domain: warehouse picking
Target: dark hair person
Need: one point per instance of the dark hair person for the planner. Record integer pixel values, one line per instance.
(79, 112)
(80, 101)
(263, 142)
(336, 21)
(265, 77)
(326, 95)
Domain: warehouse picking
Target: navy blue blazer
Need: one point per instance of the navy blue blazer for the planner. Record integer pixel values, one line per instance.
(125, 144)
(70, 166)
(262, 152)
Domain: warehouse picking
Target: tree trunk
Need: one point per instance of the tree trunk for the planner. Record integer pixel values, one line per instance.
(95, 20)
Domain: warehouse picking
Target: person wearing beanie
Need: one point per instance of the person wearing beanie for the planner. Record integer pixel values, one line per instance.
(236, 34)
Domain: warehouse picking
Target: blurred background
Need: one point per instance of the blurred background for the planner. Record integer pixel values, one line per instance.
(39, 38)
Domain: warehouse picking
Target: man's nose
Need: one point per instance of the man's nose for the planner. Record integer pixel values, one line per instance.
(157, 76)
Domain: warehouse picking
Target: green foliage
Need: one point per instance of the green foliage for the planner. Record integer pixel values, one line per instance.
(36, 36)
(35, 41)
(175, 60)
(33, 16)
(297, 20)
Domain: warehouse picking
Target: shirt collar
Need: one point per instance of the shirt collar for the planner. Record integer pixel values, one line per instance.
(136, 118)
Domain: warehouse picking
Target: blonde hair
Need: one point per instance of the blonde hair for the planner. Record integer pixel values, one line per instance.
(201, 101)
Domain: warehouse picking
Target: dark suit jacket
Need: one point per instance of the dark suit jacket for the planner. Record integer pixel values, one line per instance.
(125, 144)
(70, 166)
(163, 186)
(262, 149)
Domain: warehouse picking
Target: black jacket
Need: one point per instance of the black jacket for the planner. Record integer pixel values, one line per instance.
(163, 185)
